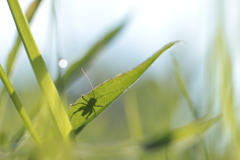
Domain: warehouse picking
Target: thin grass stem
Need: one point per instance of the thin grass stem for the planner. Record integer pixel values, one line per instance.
(19, 107)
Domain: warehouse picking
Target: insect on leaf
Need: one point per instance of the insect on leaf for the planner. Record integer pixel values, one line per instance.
(93, 103)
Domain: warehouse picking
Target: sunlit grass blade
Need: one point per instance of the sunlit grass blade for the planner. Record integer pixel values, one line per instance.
(3, 140)
(74, 70)
(34, 113)
(183, 88)
(192, 108)
(19, 107)
(13, 53)
(43, 77)
(226, 87)
(192, 129)
(92, 104)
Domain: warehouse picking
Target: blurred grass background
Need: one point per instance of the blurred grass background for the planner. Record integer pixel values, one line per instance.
(193, 80)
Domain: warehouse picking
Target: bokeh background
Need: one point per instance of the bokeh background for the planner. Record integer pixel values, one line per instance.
(188, 75)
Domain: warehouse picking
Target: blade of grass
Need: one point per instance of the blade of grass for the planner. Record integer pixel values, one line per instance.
(43, 77)
(19, 107)
(73, 72)
(226, 88)
(33, 113)
(56, 29)
(3, 140)
(183, 88)
(93, 103)
(223, 80)
(192, 129)
(13, 53)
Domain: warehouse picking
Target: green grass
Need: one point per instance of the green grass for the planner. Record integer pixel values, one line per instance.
(147, 119)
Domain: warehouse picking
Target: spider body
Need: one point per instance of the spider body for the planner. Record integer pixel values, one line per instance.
(88, 109)
(88, 106)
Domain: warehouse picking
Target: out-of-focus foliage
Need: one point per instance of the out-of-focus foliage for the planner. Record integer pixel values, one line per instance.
(73, 72)
(152, 120)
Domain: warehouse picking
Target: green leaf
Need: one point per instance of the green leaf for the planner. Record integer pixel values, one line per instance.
(92, 104)
(226, 86)
(192, 129)
(13, 53)
(19, 107)
(73, 72)
(183, 87)
(43, 77)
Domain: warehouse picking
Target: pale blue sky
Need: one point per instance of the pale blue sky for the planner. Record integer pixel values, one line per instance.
(154, 23)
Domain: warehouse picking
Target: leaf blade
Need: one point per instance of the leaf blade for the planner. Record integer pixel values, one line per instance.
(73, 71)
(14, 51)
(194, 128)
(84, 110)
(40, 69)
(19, 106)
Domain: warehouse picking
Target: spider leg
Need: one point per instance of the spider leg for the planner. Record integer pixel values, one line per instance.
(94, 112)
(84, 99)
(81, 108)
(77, 103)
(85, 110)
(90, 112)
(97, 105)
